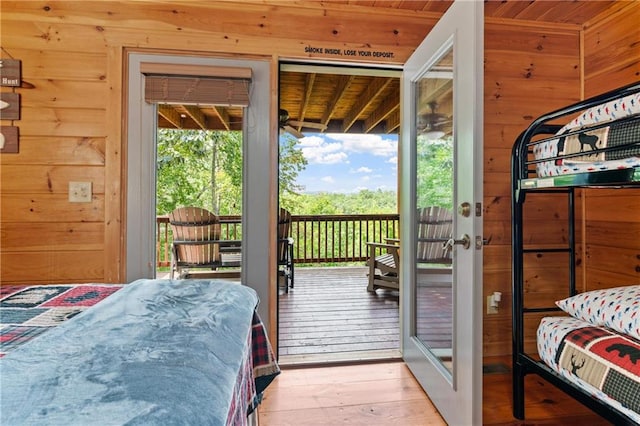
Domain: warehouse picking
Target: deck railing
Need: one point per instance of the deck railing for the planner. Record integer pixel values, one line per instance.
(317, 238)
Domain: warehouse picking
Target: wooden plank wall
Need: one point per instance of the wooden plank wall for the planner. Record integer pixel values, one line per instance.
(612, 225)
(529, 70)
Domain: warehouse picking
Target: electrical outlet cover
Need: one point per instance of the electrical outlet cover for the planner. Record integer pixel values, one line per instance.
(80, 192)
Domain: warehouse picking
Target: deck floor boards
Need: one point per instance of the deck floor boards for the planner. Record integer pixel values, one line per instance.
(330, 312)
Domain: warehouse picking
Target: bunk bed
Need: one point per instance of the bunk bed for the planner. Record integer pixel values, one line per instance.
(150, 352)
(588, 343)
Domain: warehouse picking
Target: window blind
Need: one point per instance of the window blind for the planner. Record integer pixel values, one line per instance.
(196, 85)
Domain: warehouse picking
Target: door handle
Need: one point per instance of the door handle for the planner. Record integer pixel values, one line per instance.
(464, 241)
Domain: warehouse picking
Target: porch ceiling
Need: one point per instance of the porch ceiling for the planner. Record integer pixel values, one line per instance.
(369, 101)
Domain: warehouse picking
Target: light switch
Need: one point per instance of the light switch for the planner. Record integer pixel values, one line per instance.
(80, 192)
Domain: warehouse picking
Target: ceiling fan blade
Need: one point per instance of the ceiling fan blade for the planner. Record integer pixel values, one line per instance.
(307, 124)
(293, 131)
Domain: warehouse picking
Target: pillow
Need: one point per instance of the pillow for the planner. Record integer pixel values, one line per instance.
(615, 308)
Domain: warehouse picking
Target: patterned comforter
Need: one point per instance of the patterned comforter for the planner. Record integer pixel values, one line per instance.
(597, 359)
(582, 140)
(153, 352)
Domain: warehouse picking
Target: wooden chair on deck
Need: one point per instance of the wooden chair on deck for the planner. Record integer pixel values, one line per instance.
(383, 267)
(285, 249)
(196, 242)
(435, 228)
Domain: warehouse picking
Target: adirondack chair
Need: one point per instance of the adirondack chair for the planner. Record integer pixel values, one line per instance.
(435, 227)
(285, 249)
(196, 243)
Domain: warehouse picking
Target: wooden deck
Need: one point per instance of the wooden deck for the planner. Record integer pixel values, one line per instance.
(330, 316)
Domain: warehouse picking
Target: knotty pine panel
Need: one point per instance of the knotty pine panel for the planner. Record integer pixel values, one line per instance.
(23, 237)
(76, 121)
(77, 151)
(598, 278)
(496, 335)
(612, 43)
(31, 208)
(497, 232)
(256, 29)
(497, 160)
(45, 65)
(64, 94)
(614, 234)
(544, 40)
(49, 179)
(622, 262)
(613, 79)
(626, 207)
(58, 38)
(501, 135)
(532, 66)
(52, 267)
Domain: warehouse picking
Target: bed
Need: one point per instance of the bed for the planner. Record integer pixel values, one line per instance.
(588, 344)
(149, 352)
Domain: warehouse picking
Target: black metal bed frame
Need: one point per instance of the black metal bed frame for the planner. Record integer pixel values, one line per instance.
(523, 182)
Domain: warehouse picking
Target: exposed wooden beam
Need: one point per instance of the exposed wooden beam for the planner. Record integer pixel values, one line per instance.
(308, 89)
(343, 83)
(433, 89)
(370, 93)
(390, 104)
(196, 115)
(171, 115)
(223, 115)
(393, 121)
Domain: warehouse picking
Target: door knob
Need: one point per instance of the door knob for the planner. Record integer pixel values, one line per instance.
(464, 241)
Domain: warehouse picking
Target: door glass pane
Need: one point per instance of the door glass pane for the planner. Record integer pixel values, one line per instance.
(434, 202)
(199, 165)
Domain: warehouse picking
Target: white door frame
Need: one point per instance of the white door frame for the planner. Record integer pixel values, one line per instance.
(458, 396)
(259, 174)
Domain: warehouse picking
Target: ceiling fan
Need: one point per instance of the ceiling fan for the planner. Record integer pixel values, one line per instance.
(433, 124)
(289, 125)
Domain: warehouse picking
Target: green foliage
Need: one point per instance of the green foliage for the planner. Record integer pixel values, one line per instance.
(291, 163)
(434, 180)
(187, 159)
(184, 169)
(363, 202)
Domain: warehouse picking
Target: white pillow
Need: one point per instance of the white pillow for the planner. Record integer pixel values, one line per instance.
(615, 308)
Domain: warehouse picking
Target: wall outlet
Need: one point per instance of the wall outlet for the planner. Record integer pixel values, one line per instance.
(80, 192)
(490, 308)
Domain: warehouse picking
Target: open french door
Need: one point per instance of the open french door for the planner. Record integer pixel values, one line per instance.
(441, 158)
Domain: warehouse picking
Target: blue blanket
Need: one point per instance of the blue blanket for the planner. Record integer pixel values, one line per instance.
(156, 352)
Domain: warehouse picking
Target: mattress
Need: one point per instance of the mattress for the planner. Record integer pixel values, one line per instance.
(602, 362)
(153, 352)
(608, 125)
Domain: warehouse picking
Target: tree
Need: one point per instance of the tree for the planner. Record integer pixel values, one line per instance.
(292, 162)
(204, 169)
(434, 180)
(183, 169)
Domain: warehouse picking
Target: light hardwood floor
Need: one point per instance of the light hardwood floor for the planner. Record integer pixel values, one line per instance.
(372, 394)
(381, 394)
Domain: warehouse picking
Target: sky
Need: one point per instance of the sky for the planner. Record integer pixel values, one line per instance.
(349, 162)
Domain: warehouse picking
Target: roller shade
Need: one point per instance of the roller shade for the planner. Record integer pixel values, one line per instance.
(189, 90)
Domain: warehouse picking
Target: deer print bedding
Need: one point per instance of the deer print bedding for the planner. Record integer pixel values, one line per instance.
(601, 361)
(593, 140)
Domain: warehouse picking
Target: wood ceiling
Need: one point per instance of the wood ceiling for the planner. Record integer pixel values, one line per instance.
(365, 100)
